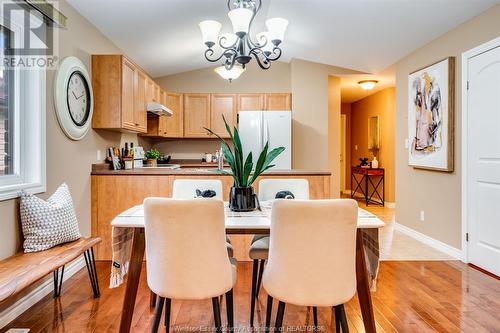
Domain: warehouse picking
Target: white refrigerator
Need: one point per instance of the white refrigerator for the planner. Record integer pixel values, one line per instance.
(258, 127)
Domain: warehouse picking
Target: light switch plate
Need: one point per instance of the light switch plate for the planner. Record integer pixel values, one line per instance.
(98, 155)
(406, 144)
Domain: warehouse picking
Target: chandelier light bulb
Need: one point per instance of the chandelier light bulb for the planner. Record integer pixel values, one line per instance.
(230, 74)
(210, 32)
(240, 18)
(277, 28)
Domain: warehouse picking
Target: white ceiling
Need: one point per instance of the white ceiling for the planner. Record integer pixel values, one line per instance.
(163, 37)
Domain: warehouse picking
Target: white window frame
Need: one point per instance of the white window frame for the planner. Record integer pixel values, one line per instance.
(29, 137)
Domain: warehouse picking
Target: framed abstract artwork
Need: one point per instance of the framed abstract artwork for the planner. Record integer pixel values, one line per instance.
(431, 96)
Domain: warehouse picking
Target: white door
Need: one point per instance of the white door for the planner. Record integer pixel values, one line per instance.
(483, 160)
(278, 131)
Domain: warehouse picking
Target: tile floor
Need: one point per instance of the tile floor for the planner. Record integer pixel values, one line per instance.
(394, 245)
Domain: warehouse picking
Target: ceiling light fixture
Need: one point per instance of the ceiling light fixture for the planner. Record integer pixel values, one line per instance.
(238, 48)
(367, 84)
(229, 74)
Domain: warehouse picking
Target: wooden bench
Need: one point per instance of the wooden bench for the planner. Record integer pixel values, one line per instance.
(23, 269)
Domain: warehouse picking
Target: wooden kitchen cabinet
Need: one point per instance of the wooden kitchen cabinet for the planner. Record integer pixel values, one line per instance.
(114, 82)
(196, 115)
(140, 113)
(222, 105)
(278, 102)
(175, 124)
(250, 102)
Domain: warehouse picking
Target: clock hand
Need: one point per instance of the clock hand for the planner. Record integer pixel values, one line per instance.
(80, 96)
(74, 94)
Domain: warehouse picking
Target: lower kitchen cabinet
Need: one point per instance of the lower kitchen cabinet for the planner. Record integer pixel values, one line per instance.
(112, 194)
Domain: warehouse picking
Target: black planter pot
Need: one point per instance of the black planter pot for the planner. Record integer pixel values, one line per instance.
(243, 199)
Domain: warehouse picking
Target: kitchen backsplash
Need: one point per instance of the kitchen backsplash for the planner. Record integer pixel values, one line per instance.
(186, 148)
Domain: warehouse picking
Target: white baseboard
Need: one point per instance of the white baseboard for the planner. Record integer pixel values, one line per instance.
(434, 243)
(47, 287)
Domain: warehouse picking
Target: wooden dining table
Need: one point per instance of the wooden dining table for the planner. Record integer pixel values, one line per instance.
(239, 224)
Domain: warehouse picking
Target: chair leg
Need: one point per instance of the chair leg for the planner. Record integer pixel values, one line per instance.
(58, 280)
(269, 309)
(152, 299)
(259, 280)
(159, 309)
(217, 319)
(315, 318)
(278, 325)
(336, 310)
(229, 310)
(254, 282)
(91, 269)
(343, 319)
(168, 306)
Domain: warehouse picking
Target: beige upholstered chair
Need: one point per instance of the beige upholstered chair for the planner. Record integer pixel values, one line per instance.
(312, 256)
(186, 254)
(185, 189)
(259, 248)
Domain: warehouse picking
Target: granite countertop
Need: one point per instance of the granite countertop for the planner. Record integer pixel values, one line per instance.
(103, 169)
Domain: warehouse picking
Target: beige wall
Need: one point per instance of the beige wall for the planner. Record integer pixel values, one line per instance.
(334, 106)
(437, 193)
(345, 109)
(254, 80)
(383, 105)
(313, 95)
(67, 161)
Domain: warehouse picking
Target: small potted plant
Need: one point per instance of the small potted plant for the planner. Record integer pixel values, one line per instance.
(152, 156)
(242, 196)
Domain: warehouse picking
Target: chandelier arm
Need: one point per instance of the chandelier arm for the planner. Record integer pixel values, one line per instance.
(263, 63)
(210, 52)
(275, 55)
(227, 47)
(229, 64)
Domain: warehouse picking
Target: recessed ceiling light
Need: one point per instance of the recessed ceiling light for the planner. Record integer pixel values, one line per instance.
(367, 84)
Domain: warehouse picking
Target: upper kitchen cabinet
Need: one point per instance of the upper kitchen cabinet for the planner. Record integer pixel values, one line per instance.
(196, 115)
(265, 102)
(278, 102)
(152, 91)
(250, 102)
(222, 105)
(114, 81)
(175, 124)
(167, 127)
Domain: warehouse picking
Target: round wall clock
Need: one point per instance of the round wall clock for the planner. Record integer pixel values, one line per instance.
(73, 98)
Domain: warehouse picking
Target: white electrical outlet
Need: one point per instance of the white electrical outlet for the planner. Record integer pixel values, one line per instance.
(355, 147)
(406, 144)
(98, 155)
(422, 215)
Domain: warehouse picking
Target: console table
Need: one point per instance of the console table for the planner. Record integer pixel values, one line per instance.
(369, 182)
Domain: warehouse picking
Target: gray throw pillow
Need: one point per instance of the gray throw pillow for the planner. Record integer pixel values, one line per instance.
(48, 223)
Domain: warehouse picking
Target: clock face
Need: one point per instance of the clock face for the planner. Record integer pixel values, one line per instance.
(78, 98)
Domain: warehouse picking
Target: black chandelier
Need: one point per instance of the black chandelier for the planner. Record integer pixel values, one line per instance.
(238, 48)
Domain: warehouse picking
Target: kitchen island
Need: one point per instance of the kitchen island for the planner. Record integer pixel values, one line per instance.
(114, 191)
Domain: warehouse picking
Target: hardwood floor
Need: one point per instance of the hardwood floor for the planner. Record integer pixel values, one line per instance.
(411, 297)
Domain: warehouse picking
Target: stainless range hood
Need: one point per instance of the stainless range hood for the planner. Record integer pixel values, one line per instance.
(159, 109)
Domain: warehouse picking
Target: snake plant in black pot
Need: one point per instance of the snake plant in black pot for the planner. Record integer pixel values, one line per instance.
(242, 197)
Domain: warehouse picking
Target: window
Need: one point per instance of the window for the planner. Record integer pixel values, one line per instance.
(22, 117)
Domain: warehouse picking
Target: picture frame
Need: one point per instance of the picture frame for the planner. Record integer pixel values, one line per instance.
(431, 108)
